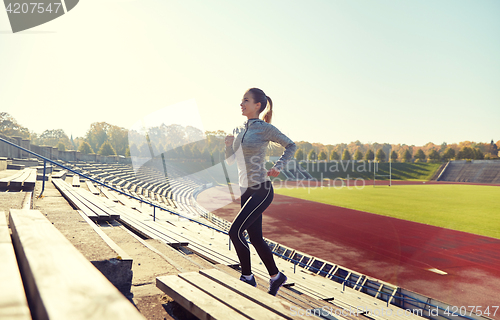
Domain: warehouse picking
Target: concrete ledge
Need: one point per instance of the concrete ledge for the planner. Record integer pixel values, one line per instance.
(26, 162)
(39, 177)
(11, 166)
(3, 163)
(118, 272)
(114, 264)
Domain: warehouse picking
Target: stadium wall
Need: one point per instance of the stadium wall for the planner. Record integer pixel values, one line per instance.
(52, 153)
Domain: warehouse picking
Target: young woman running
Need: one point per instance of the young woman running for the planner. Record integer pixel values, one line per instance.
(248, 149)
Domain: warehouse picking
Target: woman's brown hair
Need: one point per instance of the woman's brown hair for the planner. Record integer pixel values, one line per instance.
(260, 96)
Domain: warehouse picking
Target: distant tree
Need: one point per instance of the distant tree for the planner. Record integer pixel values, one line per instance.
(449, 154)
(73, 145)
(312, 155)
(127, 152)
(97, 134)
(214, 139)
(493, 149)
(33, 136)
(85, 148)
(358, 155)
(217, 155)
(322, 155)
(118, 138)
(299, 154)
(305, 146)
(354, 146)
(167, 147)
(193, 134)
(478, 155)
(60, 146)
(369, 155)
(175, 153)
(176, 135)
(195, 151)
(144, 150)
(380, 157)
(434, 155)
(155, 149)
(346, 155)
(10, 127)
(466, 153)
(205, 154)
(76, 141)
(419, 155)
(334, 156)
(394, 156)
(186, 150)
(133, 150)
(53, 137)
(442, 147)
(406, 156)
(106, 150)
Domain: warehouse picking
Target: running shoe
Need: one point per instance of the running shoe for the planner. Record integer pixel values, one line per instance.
(274, 285)
(251, 282)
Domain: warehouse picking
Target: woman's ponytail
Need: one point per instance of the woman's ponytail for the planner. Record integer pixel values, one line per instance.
(260, 96)
(268, 114)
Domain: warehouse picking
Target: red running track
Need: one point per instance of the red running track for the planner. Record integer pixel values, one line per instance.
(389, 249)
(361, 182)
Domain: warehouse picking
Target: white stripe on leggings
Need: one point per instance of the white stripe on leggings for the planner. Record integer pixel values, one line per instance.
(244, 243)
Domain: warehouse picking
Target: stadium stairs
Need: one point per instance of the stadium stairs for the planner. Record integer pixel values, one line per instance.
(39, 292)
(41, 272)
(313, 283)
(438, 172)
(203, 240)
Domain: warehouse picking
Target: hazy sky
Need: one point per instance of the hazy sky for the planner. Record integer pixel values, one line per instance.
(338, 71)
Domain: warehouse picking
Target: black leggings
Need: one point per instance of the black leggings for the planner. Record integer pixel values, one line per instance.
(254, 201)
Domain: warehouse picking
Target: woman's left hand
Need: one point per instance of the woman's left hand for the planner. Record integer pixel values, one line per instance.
(273, 172)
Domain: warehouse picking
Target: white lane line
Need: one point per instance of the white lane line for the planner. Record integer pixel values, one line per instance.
(441, 272)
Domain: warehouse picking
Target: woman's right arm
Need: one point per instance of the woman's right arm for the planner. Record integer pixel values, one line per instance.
(230, 156)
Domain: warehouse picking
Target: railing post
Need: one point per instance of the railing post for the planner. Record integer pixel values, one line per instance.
(154, 213)
(43, 178)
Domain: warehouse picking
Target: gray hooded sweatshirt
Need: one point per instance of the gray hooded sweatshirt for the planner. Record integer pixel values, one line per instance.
(249, 150)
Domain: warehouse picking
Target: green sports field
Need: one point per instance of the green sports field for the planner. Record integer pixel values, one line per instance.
(469, 208)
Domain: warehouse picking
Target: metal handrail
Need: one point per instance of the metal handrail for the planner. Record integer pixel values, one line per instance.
(104, 185)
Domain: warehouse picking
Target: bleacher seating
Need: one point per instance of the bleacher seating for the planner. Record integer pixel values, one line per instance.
(24, 179)
(148, 183)
(60, 282)
(13, 303)
(85, 201)
(215, 294)
(475, 171)
(338, 286)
